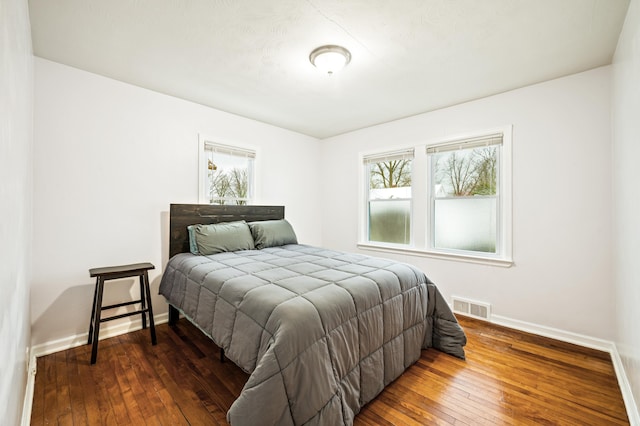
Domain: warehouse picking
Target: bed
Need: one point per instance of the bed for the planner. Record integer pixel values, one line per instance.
(319, 332)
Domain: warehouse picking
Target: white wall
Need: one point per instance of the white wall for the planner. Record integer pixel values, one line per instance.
(561, 277)
(16, 147)
(626, 176)
(109, 159)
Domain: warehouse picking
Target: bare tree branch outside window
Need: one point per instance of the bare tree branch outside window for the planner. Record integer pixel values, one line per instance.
(228, 184)
(468, 172)
(390, 174)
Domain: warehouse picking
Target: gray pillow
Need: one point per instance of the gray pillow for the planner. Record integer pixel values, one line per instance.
(193, 246)
(271, 233)
(221, 237)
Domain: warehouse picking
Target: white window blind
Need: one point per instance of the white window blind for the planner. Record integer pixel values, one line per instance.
(405, 154)
(475, 142)
(229, 150)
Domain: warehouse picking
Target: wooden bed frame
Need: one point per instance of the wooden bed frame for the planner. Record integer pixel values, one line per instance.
(183, 215)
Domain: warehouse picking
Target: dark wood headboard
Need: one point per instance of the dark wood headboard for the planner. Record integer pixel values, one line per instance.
(182, 215)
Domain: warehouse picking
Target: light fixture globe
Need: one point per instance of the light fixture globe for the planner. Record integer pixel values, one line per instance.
(330, 58)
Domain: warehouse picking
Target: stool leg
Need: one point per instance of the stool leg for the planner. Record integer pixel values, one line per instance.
(143, 301)
(150, 308)
(96, 320)
(93, 312)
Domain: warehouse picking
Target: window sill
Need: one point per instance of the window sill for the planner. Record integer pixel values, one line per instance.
(505, 263)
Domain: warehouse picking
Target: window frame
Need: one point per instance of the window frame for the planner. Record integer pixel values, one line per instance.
(421, 206)
(502, 196)
(373, 158)
(230, 149)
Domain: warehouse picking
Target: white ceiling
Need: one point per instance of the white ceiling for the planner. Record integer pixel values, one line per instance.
(250, 57)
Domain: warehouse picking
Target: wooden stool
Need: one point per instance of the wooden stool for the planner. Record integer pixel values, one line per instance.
(112, 273)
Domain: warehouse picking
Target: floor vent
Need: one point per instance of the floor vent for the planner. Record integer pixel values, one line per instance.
(471, 308)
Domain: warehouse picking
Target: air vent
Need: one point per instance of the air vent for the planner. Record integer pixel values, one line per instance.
(471, 308)
(461, 306)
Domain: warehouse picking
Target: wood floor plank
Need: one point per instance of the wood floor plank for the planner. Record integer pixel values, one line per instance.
(147, 390)
(508, 378)
(182, 387)
(550, 383)
(97, 406)
(522, 388)
(126, 387)
(76, 391)
(48, 374)
(142, 390)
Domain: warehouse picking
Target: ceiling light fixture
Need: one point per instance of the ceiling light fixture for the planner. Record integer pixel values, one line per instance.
(330, 58)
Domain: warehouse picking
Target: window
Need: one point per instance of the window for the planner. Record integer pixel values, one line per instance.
(226, 173)
(389, 197)
(447, 199)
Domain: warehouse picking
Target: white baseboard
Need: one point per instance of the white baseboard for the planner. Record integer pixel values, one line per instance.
(586, 341)
(554, 333)
(28, 394)
(81, 339)
(625, 387)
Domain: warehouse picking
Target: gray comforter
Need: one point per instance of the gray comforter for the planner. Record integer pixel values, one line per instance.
(320, 332)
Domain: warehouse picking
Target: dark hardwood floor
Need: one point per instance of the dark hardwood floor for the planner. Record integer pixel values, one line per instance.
(509, 377)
